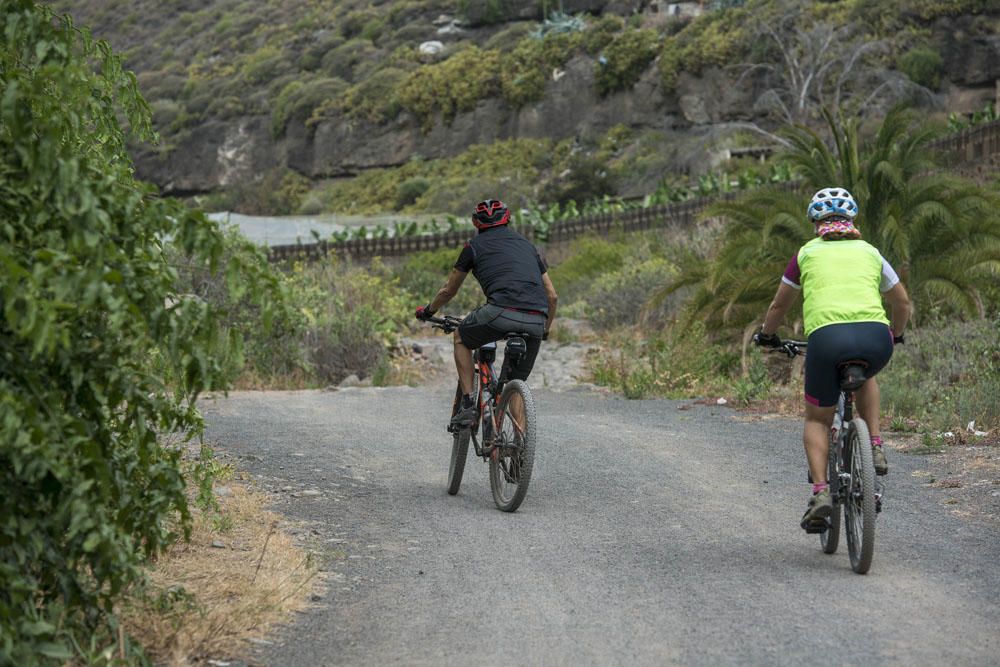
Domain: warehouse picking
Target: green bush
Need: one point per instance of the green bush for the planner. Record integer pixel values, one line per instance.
(452, 86)
(589, 258)
(410, 190)
(672, 363)
(299, 99)
(346, 61)
(354, 316)
(374, 99)
(525, 68)
(923, 66)
(102, 359)
(624, 60)
(265, 64)
(713, 39)
(619, 297)
(588, 178)
(946, 375)
(268, 353)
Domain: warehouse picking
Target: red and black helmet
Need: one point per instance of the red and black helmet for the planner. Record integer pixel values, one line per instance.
(490, 213)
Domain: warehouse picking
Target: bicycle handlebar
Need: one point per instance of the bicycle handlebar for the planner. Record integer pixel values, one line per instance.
(448, 323)
(792, 348)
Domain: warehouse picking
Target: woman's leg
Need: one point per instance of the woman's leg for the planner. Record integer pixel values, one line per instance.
(867, 400)
(816, 438)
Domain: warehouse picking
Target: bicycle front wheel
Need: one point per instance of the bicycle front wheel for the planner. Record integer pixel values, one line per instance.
(859, 502)
(829, 539)
(513, 457)
(459, 449)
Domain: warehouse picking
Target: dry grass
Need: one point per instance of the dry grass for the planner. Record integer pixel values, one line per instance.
(238, 576)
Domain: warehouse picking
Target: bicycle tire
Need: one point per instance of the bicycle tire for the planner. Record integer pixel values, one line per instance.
(459, 450)
(859, 508)
(829, 539)
(513, 460)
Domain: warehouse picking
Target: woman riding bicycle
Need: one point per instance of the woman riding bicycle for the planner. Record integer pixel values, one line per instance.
(843, 280)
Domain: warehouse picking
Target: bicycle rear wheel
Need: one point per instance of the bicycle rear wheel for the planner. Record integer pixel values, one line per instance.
(512, 460)
(830, 538)
(459, 449)
(859, 503)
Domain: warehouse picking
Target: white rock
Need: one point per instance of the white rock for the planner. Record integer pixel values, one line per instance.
(721, 401)
(431, 48)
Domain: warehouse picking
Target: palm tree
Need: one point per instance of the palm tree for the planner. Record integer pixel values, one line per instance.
(941, 232)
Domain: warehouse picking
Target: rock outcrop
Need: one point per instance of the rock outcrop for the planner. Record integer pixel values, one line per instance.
(219, 153)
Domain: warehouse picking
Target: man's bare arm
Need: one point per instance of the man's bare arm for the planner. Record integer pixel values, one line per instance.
(450, 289)
(550, 293)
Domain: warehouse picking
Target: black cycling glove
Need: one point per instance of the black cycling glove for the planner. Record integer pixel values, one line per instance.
(766, 340)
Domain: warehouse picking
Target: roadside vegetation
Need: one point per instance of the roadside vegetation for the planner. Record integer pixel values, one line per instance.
(102, 357)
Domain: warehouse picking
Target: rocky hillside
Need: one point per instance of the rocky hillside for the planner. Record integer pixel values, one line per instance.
(604, 97)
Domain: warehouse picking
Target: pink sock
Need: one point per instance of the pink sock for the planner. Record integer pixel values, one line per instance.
(823, 486)
(876, 441)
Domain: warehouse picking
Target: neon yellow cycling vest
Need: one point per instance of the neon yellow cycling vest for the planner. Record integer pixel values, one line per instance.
(840, 283)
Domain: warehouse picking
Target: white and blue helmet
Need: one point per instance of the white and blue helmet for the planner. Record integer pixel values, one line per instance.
(832, 202)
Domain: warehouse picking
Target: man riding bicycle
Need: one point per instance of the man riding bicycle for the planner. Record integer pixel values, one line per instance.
(520, 298)
(843, 280)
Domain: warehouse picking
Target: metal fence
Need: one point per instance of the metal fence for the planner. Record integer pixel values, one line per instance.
(630, 220)
(972, 150)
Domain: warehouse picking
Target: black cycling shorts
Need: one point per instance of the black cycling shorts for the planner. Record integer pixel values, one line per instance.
(491, 323)
(836, 343)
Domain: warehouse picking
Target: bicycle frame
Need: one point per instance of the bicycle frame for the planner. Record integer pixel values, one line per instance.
(843, 415)
(492, 418)
(488, 380)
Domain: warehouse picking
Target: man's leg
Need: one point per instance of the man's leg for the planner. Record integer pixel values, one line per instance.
(463, 364)
(523, 370)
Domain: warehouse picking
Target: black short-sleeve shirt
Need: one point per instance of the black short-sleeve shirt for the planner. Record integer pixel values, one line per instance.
(508, 269)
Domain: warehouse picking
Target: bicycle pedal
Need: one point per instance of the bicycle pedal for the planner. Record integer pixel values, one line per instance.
(815, 527)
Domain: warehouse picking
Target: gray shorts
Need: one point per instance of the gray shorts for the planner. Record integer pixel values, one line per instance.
(491, 323)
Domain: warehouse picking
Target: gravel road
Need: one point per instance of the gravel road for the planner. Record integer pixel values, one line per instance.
(654, 532)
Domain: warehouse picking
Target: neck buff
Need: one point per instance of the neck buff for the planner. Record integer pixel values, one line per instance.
(837, 228)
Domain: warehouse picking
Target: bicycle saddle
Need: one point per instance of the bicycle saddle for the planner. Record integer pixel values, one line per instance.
(516, 344)
(852, 374)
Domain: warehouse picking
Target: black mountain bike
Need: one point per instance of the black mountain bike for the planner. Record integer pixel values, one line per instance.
(850, 471)
(504, 434)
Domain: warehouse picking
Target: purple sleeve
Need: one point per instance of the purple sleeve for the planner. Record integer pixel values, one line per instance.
(466, 259)
(793, 276)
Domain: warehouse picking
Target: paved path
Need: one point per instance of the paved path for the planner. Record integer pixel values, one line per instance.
(653, 533)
